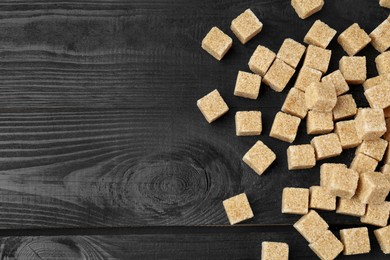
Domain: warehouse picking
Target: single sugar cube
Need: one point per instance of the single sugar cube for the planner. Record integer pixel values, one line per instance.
(238, 209)
(377, 214)
(248, 123)
(306, 8)
(363, 163)
(371, 82)
(327, 169)
(317, 58)
(259, 157)
(311, 226)
(345, 107)
(278, 75)
(291, 52)
(379, 96)
(327, 246)
(261, 60)
(326, 146)
(385, 170)
(247, 85)
(337, 79)
(319, 122)
(285, 127)
(212, 106)
(351, 207)
(246, 26)
(353, 69)
(384, 3)
(320, 97)
(382, 62)
(217, 43)
(301, 157)
(356, 241)
(375, 149)
(383, 234)
(370, 123)
(346, 131)
(294, 104)
(343, 183)
(295, 201)
(373, 188)
(353, 39)
(320, 198)
(380, 36)
(274, 250)
(320, 34)
(306, 76)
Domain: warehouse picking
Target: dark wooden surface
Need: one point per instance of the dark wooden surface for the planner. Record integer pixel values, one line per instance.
(99, 129)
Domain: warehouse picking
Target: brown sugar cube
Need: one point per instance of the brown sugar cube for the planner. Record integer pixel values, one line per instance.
(311, 226)
(319, 122)
(278, 75)
(294, 104)
(261, 60)
(343, 183)
(212, 106)
(301, 157)
(380, 36)
(382, 62)
(246, 26)
(385, 170)
(317, 58)
(306, 8)
(247, 85)
(237, 208)
(356, 241)
(353, 39)
(327, 246)
(248, 123)
(285, 127)
(320, 97)
(345, 107)
(295, 201)
(375, 149)
(353, 69)
(370, 123)
(259, 157)
(371, 82)
(306, 76)
(346, 131)
(384, 3)
(217, 43)
(291, 52)
(373, 188)
(386, 159)
(383, 234)
(351, 207)
(377, 214)
(379, 96)
(337, 79)
(328, 169)
(274, 250)
(320, 34)
(326, 146)
(320, 198)
(363, 163)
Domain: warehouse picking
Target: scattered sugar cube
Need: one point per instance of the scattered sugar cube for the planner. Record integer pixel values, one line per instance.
(320, 198)
(326, 146)
(375, 149)
(343, 183)
(380, 36)
(301, 157)
(306, 8)
(259, 157)
(306, 76)
(320, 97)
(311, 226)
(353, 39)
(346, 131)
(345, 107)
(285, 127)
(337, 79)
(384, 3)
(370, 123)
(278, 75)
(238, 209)
(373, 188)
(291, 52)
(385, 170)
(247, 85)
(217, 43)
(379, 96)
(295, 201)
(363, 163)
(212, 106)
(294, 104)
(246, 26)
(382, 62)
(248, 123)
(327, 246)
(383, 234)
(356, 241)
(353, 69)
(261, 60)
(319, 122)
(274, 250)
(328, 169)
(351, 207)
(320, 34)
(317, 58)
(377, 214)
(371, 82)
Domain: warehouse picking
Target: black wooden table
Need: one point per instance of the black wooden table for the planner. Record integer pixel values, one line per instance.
(103, 151)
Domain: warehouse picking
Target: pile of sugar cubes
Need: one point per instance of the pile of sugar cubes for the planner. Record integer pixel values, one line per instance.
(331, 115)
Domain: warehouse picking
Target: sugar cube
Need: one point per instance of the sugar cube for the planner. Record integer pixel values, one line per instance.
(327, 246)
(259, 157)
(248, 123)
(238, 209)
(319, 122)
(217, 43)
(212, 106)
(274, 250)
(246, 26)
(353, 39)
(345, 107)
(337, 79)
(370, 123)
(346, 131)
(382, 62)
(247, 85)
(306, 76)
(343, 183)
(383, 234)
(385, 170)
(379, 95)
(295, 201)
(317, 58)
(320, 97)
(320, 34)
(363, 163)
(294, 104)
(327, 169)
(261, 60)
(351, 207)
(377, 214)
(311, 226)
(285, 127)
(291, 52)
(380, 36)
(356, 241)
(375, 149)
(278, 75)
(373, 188)
(326, 146)
(384, 3)
(301, 157)
(386, 160)
(353, 69)
(371, 82)
(306, 8)
(320, 198)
